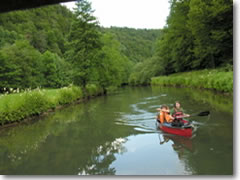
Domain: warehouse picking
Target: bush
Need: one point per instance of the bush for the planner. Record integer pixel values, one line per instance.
(16, 107)
(216, 79)
(93, 90)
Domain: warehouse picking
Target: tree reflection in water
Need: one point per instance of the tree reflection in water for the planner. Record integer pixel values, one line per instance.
(68, 142)
(103, 157)
(88, 138)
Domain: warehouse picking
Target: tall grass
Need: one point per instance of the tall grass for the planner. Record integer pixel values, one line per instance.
(209, 79)
(16, 107)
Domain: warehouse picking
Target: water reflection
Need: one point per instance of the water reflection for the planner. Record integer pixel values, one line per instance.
(183, 146)
(117, 135)
(179, 142)
(103, 156)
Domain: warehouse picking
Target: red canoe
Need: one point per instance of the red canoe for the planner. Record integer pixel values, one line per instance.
(185, 130)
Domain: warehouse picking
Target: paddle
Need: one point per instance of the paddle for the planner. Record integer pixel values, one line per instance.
(204, 113)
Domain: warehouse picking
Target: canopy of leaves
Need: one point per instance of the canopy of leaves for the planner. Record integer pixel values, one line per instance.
(136, 44)
(53, 47)
(198, 35)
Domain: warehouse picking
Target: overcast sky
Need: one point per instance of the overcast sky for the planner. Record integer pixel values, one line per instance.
(150, 14)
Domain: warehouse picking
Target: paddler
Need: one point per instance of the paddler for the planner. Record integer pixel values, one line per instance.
(178, 114)
(164, 115)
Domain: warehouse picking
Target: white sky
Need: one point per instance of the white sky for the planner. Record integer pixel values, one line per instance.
(150, 14)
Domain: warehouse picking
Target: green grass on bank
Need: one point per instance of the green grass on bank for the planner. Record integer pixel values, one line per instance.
(209, 79)
(15, 107)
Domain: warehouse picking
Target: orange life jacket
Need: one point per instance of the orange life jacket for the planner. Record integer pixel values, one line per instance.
(164, 117)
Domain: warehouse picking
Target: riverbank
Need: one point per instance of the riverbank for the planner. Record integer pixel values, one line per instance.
(216, 79)
(19, 106)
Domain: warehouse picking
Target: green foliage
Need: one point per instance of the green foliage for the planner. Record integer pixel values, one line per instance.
(34, 103)
(22, 66)
(211, 23)
(55, 70)
(136, 44)
(143, 72)
(16, 107)
(198, 35)
(68, 95)
(173, 49)
(84, 43)
(210, 79)
(53, 47)
(115, 66)
(32, 43)
(93, 90)
(45, 28)
(19, 66)
(7, 37)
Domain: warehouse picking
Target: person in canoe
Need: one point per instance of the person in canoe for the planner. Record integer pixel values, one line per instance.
(164, 115)
(178, 114)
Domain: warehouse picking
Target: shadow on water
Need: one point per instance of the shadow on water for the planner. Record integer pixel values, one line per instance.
(116, 134)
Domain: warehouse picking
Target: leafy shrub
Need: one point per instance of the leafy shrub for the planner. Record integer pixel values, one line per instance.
(93, 90)
(216, 79)
(15, 107)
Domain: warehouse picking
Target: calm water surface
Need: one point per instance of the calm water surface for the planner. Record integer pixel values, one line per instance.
(117, 135)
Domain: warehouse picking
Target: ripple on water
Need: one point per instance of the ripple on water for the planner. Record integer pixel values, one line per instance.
(143, 114)
(141, 117)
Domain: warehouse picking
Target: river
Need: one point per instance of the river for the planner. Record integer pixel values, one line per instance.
(117, 135)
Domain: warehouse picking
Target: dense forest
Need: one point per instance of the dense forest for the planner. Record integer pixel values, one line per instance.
(137, 44)
(53, 47)
(198, 35)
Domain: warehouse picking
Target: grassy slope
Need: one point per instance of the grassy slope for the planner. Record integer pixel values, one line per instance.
(16, 107)
(209, 79)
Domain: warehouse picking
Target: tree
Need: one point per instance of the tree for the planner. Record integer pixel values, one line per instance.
(20, 66)
(84, 43)
(211, 23)
(56, 71)
(181, 39)
(136, 44)
(114, 66)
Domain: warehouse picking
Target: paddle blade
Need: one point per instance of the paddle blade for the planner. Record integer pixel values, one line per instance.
(205, 113)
